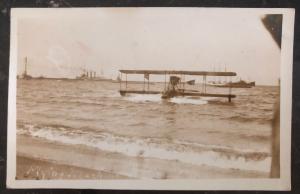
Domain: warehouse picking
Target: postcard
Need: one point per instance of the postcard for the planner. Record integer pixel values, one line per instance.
(150, 98)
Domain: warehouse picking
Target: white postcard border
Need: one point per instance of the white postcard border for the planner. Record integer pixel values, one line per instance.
(283, 183)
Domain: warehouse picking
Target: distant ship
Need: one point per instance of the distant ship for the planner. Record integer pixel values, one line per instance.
(239, 84)
(25, 75)
(91, 75)
(41, 77)
(83, 76)
(225, 84)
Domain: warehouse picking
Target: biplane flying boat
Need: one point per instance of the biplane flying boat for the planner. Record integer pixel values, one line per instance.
(175, 86)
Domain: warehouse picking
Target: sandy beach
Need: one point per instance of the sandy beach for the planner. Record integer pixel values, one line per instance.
(41, 159)
(37, 169)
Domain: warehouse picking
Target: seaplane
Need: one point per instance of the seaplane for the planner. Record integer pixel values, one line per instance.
(175, 86)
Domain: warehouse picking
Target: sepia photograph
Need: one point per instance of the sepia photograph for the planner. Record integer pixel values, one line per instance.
(184, 98)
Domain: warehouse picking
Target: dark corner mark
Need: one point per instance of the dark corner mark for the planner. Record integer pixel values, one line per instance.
(273, 23)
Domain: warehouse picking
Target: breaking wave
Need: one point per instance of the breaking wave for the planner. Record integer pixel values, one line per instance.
(157, 98)
(166, 149)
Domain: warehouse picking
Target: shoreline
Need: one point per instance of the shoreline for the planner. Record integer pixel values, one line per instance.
(42, 156)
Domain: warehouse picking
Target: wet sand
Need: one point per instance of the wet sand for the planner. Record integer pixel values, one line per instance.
(42, 159)
(36, 169)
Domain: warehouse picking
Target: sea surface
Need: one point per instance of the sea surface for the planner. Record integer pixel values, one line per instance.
(199, 131)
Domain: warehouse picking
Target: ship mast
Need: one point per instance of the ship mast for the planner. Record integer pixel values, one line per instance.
(25, 70)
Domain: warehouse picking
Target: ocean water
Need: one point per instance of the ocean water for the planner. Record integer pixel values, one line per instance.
(198, 131)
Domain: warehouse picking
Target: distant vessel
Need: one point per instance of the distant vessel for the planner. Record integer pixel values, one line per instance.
(91, 75)
(239, 84)
(40, 77)
(220, 80)
(25, 75)
(83, 76)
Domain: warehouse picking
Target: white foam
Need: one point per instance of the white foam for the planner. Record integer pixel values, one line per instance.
(157, 98)
(218, 147)
(154, 149)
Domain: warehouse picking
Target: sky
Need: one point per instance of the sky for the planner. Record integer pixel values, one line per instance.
(61, 43)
